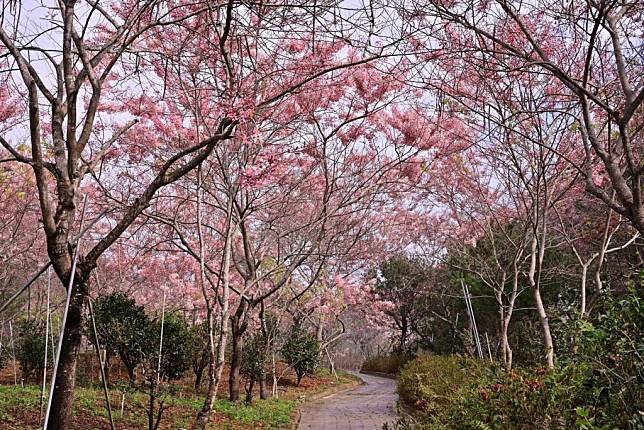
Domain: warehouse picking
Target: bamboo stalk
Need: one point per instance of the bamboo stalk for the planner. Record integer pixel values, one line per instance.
(13, 354)
(489, 351)
(44, 372)
(161, 339)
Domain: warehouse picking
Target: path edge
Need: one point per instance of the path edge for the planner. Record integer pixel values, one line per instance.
(381, 374)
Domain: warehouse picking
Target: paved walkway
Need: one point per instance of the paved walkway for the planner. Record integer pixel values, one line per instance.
(366, 407)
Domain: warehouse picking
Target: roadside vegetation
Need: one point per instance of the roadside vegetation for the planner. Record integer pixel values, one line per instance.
(597, 383)
(155, 386)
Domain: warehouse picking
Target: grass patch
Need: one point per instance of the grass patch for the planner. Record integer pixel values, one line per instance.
(273, 413)
(19, 409)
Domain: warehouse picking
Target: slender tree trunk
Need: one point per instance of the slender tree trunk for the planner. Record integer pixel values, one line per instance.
(541, 311)
(274, 386)
(403, 334)
(130, 374)
(584, 276)
(504, 322)
(507, 349)
(545, 325)
(62, 400)
(319, 333)
(268, 347)
(215, 369)
(218, 355)
(106, 370)
(602, 254)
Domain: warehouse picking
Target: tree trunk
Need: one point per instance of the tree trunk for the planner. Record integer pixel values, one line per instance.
(541, 310)
(249, 391)
(198, 376)
(60, 416)
(106, 367)
(403, 334)
(545, 326)
(215, 367)
(274, 386)
(263, 391)
(584, 275)
(507, 350)
(504, 323)
(235, 361)
(218, 355)
(130, 374)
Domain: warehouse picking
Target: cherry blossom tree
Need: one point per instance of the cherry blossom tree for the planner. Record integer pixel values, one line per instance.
(118, 81)
(587, 52)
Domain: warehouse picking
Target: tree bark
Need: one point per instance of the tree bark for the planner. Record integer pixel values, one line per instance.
(130, 374)
(263, 390)
(217, 354)
(198, 376)
(106, 367)
(63, 397)
(403, 334)
(584, 276)
(235, 359)
(541, 310)
(545, 325)
(249, 391)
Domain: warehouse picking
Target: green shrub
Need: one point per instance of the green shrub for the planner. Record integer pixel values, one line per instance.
(597, 383)
(255, 357)
(301, 352)
(430, 382)
(255, 362)
(30, 348)
(123, 328)
(390, 364)
(177, 352)
(514, 400)
(199, 346)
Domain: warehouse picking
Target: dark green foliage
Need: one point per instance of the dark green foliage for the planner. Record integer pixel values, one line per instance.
(177, 351)
(598, 382)
(176, 359)
(610, 345)
(526, 336)
(255, 362)
(30, 348)
(301, 352)
(199, 347)
(402, 280)
(518, 399)
(123, 328)
(255, 357)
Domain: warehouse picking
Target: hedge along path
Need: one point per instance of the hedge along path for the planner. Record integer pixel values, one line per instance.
(366, 407)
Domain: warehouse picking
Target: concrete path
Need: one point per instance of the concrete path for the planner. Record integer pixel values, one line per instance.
(366, 407)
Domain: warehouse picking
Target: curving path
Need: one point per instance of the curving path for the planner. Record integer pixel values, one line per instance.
(366, 407)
